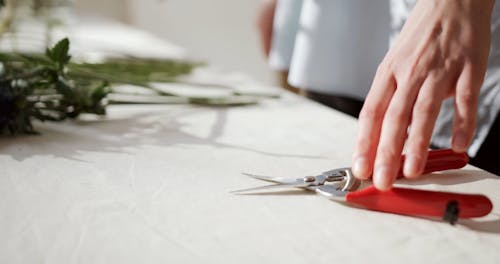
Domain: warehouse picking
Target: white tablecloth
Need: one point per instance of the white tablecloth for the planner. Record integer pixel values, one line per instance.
(150, 184)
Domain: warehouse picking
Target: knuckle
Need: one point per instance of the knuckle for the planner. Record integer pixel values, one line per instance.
(363, 145)
(418, 146)
(386, 154)
(397, 116)
(405, 82)
(466, 98)
(371, 112)
(467, 123)
(384, 67)
(425, 108)
(381, 69)
(411, 78)
(362, 142)
(451, 64)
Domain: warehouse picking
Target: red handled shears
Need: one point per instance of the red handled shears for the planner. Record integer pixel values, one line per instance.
(341, 185)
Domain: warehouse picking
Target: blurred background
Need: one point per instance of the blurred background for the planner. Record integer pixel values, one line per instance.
(336, 45)
(221, 32)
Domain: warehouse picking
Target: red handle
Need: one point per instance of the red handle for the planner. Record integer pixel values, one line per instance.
(442, 159)
(419, 202)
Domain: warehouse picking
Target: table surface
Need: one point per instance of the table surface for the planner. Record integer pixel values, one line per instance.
(151, 184)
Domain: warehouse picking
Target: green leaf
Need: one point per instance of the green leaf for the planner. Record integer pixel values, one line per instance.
(2, 3)
(59, 53)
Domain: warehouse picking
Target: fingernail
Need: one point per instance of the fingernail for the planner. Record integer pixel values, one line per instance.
(360, 168)
(412, 167)
(383, 178)
(459, 142)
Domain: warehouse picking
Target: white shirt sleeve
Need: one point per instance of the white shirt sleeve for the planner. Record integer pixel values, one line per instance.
(285, 27)
(339, 45)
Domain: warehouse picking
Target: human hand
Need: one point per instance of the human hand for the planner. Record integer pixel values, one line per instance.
(442, 51)
(265, 23)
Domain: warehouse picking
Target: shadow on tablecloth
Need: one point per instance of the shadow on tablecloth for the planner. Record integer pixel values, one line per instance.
(147, 126)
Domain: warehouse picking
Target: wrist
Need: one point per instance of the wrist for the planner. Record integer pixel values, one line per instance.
(476, 4)
(475, 8)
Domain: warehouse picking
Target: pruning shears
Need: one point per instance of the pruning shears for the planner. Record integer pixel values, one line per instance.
(341, 185)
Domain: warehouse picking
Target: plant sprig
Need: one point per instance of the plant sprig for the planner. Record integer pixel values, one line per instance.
(50, 87)
(34, 87)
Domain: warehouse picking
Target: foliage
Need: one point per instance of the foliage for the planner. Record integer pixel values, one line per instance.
(51, 88)
(39, 87)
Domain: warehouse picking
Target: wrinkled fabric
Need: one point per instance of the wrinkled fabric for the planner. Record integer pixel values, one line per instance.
(152, 183)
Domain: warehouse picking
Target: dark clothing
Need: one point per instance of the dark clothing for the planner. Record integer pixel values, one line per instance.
(486, 158)
(346, 105)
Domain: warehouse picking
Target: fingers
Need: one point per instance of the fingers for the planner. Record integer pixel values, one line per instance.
(426, 110)
(394, 131)
(425, 113)
(384, 121)
(387, 113)
(466, 99)
(370, 122)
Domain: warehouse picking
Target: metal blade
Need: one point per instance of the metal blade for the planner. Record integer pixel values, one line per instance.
(280, 183)
(281, 180)
(267, 187)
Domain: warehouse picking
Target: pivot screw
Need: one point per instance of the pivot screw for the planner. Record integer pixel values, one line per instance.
(309, 179)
